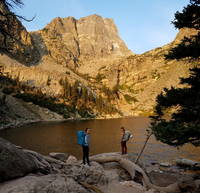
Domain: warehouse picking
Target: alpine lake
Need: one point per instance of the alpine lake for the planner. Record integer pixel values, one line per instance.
(46, 137)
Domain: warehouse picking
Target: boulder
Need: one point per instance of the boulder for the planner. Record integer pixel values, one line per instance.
(71, 159)
(188, 163)
(2, 98)
(163, 179)
(43, 184)
(94, 174)
(14, 162)
(59, 156)
(165, 164)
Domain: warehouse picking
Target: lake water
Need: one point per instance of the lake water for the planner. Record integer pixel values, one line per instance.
(45, 137)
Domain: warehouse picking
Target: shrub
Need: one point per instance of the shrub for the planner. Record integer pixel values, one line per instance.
(129, 99)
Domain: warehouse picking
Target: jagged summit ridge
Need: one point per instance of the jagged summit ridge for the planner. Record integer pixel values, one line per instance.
(86, 38)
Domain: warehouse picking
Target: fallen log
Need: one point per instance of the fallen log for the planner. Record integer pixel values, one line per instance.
(131, 168)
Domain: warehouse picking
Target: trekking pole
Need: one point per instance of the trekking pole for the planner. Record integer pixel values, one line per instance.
(139, 155)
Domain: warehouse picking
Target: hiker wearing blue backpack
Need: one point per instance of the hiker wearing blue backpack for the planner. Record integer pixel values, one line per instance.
(126, 135)
(84, 141)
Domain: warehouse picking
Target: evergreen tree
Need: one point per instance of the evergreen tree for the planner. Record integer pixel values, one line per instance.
(8, 21)
(182, 125)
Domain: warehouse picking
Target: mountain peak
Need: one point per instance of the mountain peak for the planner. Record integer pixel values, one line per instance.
(83, 39)
(93, 16)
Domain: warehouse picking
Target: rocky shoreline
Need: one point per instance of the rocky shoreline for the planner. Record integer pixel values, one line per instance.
(15, 112)
(26, 171)
(19, 123)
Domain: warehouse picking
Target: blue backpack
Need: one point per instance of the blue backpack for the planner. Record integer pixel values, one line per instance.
(80, 137)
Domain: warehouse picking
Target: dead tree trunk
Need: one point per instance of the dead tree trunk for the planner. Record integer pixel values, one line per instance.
(131, 168)
(145, 143)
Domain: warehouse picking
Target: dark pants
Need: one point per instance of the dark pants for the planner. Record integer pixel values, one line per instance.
(86, 154)
(124, 148)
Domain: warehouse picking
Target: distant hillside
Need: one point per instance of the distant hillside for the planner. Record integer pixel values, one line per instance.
(140, 78)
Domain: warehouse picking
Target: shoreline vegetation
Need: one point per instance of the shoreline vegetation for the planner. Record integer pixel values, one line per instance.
(27, 171)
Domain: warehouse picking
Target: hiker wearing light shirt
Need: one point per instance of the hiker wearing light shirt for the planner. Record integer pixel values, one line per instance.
(126, 135)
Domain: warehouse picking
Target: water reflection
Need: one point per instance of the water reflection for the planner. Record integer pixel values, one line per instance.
(105, 137)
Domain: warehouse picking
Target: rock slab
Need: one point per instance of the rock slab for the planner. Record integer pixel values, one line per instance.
(14, 162)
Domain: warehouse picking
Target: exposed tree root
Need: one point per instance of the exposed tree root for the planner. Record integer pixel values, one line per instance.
(131, 168)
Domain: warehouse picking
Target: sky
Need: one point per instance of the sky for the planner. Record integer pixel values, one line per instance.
(142, 24)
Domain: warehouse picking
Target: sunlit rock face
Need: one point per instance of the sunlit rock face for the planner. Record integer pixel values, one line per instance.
(72, 42)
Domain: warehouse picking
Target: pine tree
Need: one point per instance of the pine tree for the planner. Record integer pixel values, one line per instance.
(182, 125)
(8, 21)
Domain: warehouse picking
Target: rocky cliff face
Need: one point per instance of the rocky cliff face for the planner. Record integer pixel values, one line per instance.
(71, 42)
(140, 78)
